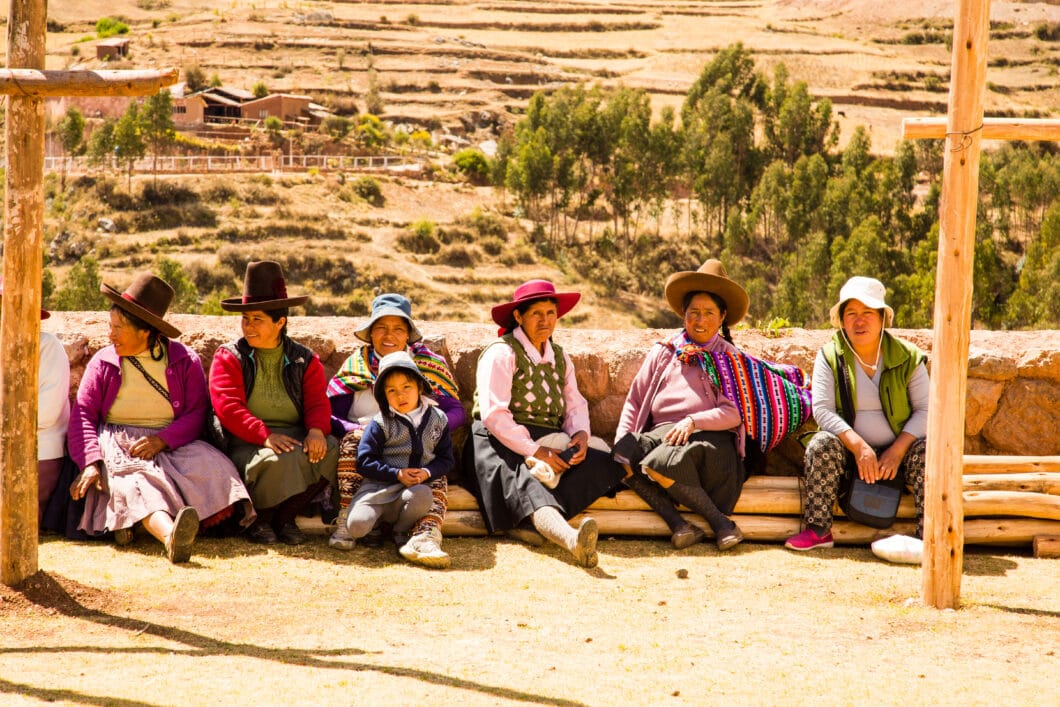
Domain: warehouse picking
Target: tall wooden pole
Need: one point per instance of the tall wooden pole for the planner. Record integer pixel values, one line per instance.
(20, 316)
(943, 503)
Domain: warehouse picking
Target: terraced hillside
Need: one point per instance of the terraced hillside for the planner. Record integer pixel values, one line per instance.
(463, 64)
(469, 68)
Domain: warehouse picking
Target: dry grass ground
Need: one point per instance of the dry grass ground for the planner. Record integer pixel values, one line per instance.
(507, 624)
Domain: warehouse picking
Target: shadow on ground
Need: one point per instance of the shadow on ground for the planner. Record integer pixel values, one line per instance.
(62, 595)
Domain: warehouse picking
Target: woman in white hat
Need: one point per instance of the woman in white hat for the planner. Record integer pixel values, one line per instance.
(680, 438)
(879, 432)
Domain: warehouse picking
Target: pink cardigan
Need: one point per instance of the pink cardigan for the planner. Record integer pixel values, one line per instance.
(665, 390)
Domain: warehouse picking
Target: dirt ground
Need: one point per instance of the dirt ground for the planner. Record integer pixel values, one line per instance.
(508, 624)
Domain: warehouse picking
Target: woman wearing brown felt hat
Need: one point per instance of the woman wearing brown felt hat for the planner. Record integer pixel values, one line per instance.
(135, 426)
(269, 393)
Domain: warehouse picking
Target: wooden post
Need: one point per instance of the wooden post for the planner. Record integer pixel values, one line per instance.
(20, 317)
(26, 83)
(943, 506)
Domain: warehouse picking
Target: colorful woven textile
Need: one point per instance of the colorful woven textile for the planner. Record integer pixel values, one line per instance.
(773, 398)
(359, 371)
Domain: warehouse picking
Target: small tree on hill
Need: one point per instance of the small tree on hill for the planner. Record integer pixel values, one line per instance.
(156, 125)
(260, 90)
(473, 164)
(128, 139)
(185, 294)
(194, 77)
(80, 293)
(71, 130)
(101, 142)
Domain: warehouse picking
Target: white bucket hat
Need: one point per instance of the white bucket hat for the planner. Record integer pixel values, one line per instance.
(867, 290)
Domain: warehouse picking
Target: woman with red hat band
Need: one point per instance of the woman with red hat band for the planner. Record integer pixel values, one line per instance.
(529, 450)
(268, 392)
(135, 426)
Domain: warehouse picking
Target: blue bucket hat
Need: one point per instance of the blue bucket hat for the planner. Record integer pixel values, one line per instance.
(389, 305)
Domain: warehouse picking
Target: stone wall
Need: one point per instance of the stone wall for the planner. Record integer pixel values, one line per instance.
(1013, 402)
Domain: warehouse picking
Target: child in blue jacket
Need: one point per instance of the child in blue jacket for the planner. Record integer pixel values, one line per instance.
(403, 448)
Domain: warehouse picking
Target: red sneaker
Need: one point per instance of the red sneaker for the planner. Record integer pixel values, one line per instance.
(809, 540)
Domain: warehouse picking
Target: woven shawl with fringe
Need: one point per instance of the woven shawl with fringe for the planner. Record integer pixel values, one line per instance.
(359, 371)
(772, 397)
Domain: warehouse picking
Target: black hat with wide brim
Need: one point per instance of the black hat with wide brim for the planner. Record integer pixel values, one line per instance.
(264, 290)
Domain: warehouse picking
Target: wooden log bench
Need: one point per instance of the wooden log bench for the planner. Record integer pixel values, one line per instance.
(1009, 504)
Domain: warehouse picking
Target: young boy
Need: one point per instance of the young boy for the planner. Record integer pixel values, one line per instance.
(405, 446)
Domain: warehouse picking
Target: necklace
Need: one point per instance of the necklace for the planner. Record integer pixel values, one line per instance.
(870, 367)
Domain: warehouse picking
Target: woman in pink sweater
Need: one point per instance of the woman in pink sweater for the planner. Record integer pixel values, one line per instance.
(678, 435)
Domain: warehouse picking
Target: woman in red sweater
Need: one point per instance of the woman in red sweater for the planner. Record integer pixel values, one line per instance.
(269, 394)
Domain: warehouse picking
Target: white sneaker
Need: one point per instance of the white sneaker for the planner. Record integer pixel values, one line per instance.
(341, 539)
(424, 549)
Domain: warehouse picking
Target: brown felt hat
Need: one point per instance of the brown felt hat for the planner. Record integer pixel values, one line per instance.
(148, 297)
(264, 290)
(710, 277)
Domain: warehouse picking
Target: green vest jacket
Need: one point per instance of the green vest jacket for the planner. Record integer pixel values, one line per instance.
(900, 359)
(537, 391)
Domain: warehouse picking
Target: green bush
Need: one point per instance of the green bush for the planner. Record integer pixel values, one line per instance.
(166, 193)
(337, 127)
(521, 254)
(473, 164)
(1048, 31)
(493, 246)
(108, 27)
(80, 292)
(420, 238)
(368, 189)
(166, 217)
(487, 224)
(457, 255)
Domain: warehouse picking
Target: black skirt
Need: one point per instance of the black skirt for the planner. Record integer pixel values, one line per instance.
(508, 493)
(708, 460)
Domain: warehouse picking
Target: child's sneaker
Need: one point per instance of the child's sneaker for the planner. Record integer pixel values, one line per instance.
(340, 539)
(425, 549)
(809, 540)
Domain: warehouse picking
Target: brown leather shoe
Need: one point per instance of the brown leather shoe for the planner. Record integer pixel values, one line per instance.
(729, 538)
(182, 536)
(290, 534)
(686, 536)
(261, 534)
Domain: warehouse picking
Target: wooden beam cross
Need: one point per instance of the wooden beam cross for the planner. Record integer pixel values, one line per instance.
(26, 84)
(963, 128)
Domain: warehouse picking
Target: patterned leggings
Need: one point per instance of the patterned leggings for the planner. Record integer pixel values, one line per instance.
(824, 466)
(349, 481)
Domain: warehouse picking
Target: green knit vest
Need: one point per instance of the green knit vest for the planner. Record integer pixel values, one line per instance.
(537, 391)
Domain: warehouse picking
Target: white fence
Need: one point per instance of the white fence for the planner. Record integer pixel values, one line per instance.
(243, 163)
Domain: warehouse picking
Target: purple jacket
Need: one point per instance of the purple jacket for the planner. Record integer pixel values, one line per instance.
(99, 387)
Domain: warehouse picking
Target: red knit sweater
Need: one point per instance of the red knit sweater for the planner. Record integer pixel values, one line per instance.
(230, 401)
